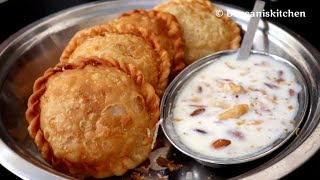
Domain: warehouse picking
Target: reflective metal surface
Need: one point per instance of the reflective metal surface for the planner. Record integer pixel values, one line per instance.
(169, 99)
(28, 53)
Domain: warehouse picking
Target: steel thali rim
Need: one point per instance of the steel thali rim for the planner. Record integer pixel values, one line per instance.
(27, 170)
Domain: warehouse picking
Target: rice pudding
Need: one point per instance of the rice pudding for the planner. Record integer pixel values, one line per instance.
(235, 108)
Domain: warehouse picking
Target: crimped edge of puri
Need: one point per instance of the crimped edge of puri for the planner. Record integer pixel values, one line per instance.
(163, 60)
(174, 33)
(33, 111)
(235, 37)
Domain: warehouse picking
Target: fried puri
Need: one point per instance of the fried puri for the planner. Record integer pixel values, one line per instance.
(204, 32)
(165, 29)
(93, 117)
(98, 41)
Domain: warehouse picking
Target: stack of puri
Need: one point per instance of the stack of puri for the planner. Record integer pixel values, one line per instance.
(96, 113)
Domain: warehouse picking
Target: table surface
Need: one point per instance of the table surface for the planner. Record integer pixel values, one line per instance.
(16, 14)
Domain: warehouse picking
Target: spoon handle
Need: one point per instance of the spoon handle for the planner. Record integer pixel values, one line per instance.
(247, 41)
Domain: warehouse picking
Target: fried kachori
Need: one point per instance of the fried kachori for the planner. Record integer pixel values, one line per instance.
(98, 41)
(163, 26)
(93, 117)
(204, 31)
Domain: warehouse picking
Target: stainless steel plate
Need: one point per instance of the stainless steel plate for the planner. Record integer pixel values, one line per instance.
(29, 52)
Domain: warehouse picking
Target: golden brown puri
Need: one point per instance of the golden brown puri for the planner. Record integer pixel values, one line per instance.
(94, 117)
(122, 47)
(164, 26)
(102, 42)
(204, 32)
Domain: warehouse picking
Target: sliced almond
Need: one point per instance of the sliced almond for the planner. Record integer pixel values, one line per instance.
(236, 89)
(230, 65)
(220, 143)
(236, 112)
(256, 122)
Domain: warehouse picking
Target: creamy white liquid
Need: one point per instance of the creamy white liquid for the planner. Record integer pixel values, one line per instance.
(270, 90)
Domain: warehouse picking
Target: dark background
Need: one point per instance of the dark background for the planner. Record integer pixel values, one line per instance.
(16, 14)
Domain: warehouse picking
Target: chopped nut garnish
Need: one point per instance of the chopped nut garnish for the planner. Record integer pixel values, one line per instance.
(220, 85)
(199, 90)
(231, 86)
(221, 104)
(262, 91)
(220, 143)
(195, 99)
(201, 131)
(280, 77)
(256, 122)
(235, 112)
(178, 119)
(265, 109)
(291, 92)
(197, 106)
(273, 100)
(197, 111)
(242, 122)
(257, 112)
(236, 89)
(279, 80)
(271, 86)
(236, 134)
(244, 73)
(229, 65)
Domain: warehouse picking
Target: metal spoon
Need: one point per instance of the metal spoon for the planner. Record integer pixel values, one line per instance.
(247, 41)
